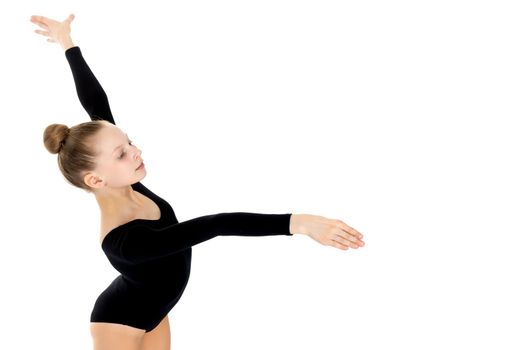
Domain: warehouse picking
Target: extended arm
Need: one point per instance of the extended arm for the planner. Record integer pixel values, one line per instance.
(140, 244)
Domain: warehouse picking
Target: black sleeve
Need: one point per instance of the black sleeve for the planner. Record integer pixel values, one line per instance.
(140, 245)
(89, 91)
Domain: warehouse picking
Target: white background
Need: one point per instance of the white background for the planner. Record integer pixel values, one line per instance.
(401, 118)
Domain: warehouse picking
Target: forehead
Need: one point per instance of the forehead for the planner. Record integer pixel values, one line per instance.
(108, 138)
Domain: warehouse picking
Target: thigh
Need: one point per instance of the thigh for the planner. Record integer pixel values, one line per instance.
(110, 336)
(159, 338)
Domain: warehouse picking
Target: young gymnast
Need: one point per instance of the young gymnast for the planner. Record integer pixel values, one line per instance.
(140, 234)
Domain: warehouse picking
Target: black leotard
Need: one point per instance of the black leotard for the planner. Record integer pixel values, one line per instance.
(154, 256)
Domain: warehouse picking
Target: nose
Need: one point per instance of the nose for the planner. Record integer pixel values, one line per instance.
(138, 153)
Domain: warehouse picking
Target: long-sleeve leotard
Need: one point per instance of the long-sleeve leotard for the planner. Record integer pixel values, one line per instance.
(154, 256)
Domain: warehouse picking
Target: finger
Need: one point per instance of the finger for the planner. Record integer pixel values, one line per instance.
(70, 18)
(41, 24)
(38, 21)
(340, 240)
(353, 242)
(338, 245)
(41, 18)
(347, 239)
(42, 32)
(349, 229)
(51, 40)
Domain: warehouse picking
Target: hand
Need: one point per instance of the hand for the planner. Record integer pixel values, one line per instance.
(55, 31)
(331, 232)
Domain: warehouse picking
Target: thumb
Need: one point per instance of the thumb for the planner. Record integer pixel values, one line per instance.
(70, 18)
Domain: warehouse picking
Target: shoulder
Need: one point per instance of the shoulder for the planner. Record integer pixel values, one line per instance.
(109, 222)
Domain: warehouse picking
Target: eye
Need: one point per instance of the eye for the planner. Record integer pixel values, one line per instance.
(123, 153)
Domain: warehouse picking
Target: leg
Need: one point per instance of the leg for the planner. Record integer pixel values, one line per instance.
(110, 336)
(158, 338)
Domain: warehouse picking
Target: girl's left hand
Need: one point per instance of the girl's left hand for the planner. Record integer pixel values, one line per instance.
(332, 232)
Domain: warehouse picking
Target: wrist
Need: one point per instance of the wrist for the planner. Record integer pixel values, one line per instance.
(66, 43)
(296, 224)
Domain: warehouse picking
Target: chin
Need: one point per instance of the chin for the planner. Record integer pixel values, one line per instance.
(140, 178)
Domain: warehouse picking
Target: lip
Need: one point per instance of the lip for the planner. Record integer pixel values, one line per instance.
(140, 166)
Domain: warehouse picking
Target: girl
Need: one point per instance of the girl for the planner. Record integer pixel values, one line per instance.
(139, 232)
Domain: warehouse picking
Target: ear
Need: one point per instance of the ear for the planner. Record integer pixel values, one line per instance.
(93, 180)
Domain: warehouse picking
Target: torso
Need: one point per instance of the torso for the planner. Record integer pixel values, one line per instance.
(149, 211)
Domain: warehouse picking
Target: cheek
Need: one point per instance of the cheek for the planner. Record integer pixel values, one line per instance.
(116, 167)
(125, 165)
(122, 166)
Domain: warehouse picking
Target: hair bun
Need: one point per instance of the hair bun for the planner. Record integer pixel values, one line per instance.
(55, 136)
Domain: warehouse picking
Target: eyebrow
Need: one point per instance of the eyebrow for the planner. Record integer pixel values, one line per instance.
(116, 148)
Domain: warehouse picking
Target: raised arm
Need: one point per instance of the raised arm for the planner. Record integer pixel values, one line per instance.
(139, 244)
(89, 91)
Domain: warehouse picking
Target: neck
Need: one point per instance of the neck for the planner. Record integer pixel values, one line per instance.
(110, 199)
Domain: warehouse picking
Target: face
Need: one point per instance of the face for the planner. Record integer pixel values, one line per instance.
(117, 161)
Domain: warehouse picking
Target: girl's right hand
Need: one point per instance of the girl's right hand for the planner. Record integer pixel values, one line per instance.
(55, 31)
